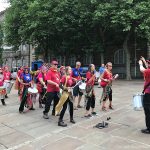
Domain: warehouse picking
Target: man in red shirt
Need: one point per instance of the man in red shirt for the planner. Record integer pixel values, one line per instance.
(53, 81)
(146, 99)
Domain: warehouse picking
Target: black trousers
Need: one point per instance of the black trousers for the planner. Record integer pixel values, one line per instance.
(24, 99)
(64, 109)
(51, 96)
(90, 102)
(146, 105)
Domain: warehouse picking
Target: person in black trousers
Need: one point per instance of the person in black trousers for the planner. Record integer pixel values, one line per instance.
(66, 83)
(146, 99)
(90, 94)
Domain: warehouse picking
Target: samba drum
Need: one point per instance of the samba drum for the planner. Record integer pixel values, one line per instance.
(2, 92)
(33, 93)
(32, 90)
(138, 101)
(82, 87)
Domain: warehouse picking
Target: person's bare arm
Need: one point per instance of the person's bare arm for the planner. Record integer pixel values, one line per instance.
(142, 69)
(144, 61)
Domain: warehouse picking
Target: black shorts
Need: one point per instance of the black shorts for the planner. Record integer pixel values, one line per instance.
(76, 91)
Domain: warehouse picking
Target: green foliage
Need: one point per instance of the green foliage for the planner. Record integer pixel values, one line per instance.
(74, 26)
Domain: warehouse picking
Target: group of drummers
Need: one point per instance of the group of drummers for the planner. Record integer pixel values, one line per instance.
(65, 87)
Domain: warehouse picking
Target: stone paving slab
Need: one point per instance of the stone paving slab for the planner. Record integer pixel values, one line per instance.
(30, 131)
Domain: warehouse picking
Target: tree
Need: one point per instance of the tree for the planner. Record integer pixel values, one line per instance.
(128, 16)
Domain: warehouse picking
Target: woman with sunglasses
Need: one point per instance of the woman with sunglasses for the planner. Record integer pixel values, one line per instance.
(26, 81)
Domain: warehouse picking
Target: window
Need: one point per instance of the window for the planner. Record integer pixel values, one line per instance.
(119, 57)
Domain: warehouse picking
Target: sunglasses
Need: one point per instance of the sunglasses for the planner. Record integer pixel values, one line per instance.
(55, 64)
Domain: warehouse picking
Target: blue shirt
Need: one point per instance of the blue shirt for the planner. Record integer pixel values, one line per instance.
(76, 72)
(26, 77)
(101, 70)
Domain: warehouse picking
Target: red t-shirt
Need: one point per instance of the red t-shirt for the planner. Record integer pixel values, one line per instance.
(147, 80)
(19, 73)
(54, 76)
(42, 76)
(88, 77)
(1, 79)
(69, 81)
(107, 76)
(7, 75)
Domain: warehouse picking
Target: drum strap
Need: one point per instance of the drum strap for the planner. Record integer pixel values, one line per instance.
(145, 87)
(66, 82)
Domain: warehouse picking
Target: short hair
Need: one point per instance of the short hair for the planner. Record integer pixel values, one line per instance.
(78, 62)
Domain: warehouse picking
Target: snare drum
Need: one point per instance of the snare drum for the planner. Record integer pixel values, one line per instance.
(138, 101)
(82, 87)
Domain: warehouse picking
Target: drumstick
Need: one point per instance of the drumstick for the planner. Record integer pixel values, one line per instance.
(44, 95)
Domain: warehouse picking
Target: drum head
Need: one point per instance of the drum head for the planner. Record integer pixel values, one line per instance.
(82, 86)
(32, 90)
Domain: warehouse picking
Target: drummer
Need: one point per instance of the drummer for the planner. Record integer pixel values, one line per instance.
(41, 84)
(90, 94)
(7, 76)
(19, 73)
(53, 81)
(106, 84)
(62, 71)
(66, 83)
(1, 85)
(76, 73)
(146, 99)
(26, 81)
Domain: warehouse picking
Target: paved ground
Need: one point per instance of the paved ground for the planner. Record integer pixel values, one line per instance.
(30, 131)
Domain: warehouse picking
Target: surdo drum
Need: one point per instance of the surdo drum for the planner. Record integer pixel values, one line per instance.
(138, 101)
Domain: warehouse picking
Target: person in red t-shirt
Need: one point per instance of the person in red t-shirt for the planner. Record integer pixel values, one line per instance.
(19, 73)
(53, 81)
(106, 83)
(66, 83)
(90, 94)
(1, 85)
(7, 76)
(146, 99)
(41, 84)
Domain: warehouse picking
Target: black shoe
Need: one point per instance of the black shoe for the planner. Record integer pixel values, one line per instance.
(146, 131)
(62, 124)
(32, 108)
(40, 106)
(6, 96)
(53, 113)
(3, 102)
(93, 113)
(20, 112)
(72, 121)
(45, 116)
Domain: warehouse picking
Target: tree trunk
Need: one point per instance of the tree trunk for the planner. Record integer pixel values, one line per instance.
(148, 49)
(102, 57)
(127, 52)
